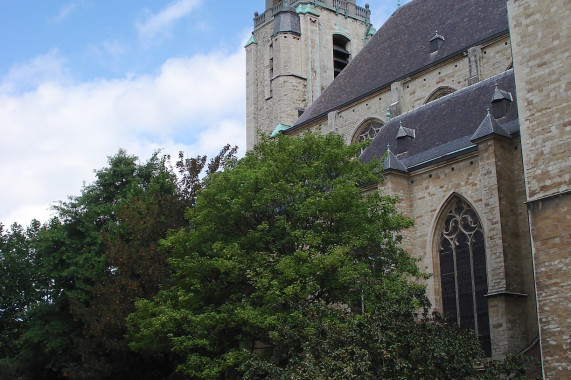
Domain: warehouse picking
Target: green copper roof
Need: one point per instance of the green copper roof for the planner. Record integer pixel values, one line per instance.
(371, 31)
(280, 128)
(251, 41)
(307, 8)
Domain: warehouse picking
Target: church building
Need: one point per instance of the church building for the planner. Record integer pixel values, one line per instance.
(468, 102)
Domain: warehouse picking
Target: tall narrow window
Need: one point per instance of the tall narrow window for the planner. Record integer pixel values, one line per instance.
(341, 53)
(463, 271)
(271, 69)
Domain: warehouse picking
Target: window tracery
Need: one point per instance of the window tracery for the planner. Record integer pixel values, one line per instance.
(367, 131)
(463, 274)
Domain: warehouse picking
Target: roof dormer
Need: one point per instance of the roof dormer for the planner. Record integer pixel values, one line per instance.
(435, 42)
(501, 102)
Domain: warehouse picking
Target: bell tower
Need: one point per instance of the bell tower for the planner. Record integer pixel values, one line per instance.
(296, 50)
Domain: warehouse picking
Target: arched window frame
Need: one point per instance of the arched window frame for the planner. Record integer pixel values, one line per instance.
(459, 210)
(367, 129)
(439, 93)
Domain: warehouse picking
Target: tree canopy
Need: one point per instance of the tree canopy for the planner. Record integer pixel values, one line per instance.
(68, 285)
(286, 270)
(285, 264)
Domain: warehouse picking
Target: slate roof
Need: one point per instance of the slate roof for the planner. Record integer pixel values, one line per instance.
(489, 126)
(444, 127)
(393, 163)
(401, 47)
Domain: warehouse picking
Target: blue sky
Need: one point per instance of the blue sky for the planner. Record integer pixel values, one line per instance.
(80, 79)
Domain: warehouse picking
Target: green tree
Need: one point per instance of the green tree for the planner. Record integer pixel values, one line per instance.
(69, 284)
(144, 202)
(284, 264)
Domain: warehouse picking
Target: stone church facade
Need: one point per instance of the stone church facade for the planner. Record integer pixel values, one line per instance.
(468, 103)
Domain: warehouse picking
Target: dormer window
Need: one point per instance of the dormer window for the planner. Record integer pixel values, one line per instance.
(341, 53)
(501, 102)
(405, 137)
(435, 42)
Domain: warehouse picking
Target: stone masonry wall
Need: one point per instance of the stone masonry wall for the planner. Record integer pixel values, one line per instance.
(490, 182)
(551, 236)
(306, 60)
(541, 39)
(540, 35)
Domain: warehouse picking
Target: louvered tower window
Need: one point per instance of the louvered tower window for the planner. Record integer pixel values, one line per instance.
(341, 53)
(463, 272)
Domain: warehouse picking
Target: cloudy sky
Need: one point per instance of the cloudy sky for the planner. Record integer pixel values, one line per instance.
(80, 79)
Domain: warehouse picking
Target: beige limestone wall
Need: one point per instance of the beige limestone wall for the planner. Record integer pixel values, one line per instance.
(454, 73)
(551, 237)
(496, 57)
(542, 64)
(490, 180)
(540, 36)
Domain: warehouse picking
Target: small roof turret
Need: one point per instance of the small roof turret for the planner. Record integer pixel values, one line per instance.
(489, 126)
(393, 163)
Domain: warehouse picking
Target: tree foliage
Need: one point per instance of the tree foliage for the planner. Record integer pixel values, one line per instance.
(286, 270)
(280, 269)
(70, 283)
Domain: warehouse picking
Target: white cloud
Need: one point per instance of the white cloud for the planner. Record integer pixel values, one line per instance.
(161, 21)
(49, 66)
(57, 132)
(65, 10)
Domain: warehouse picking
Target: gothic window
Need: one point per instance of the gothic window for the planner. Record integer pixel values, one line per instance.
(439, 93)
(341, 53)
(463, 277)
(367, 131)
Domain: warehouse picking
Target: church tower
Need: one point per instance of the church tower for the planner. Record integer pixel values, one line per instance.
(296, 50)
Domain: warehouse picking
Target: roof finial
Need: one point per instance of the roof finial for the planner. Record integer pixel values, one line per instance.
(388, 114)
(398, 3)
(388, 147)
(488, 110)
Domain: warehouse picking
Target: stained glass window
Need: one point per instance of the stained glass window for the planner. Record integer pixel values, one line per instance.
(463, 272)
(369, 131)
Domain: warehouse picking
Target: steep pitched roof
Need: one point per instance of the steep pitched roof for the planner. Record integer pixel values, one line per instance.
(393, 163)
(401, 47)
(444, 127)
(489, 126)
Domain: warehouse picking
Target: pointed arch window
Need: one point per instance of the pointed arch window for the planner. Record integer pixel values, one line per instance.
(367, 131)
(463, 276)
